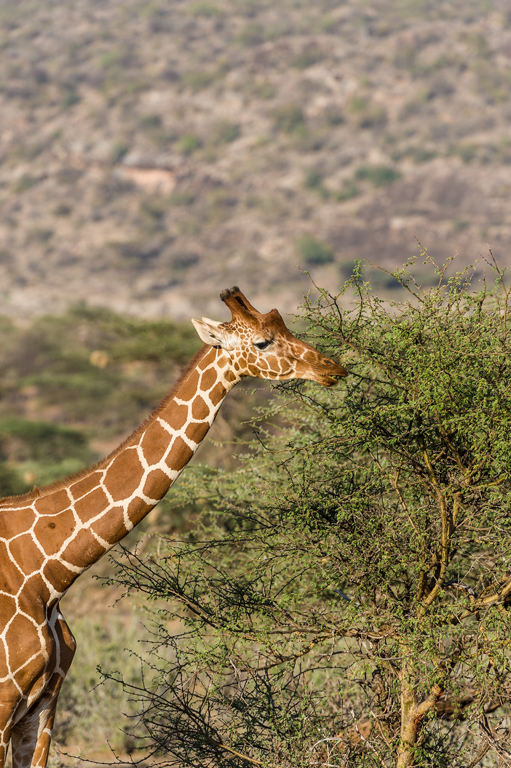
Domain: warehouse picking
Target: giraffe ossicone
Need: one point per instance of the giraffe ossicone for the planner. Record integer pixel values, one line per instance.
(51, 535)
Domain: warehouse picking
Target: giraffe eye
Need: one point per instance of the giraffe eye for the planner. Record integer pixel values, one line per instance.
(262, 344)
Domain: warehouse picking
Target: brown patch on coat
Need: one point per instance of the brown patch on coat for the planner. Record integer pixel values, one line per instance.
(18, 639)
(58, 575)
(208, 379)
(52, 532)
(83, 550)
(199, 408)
(180, 455)
(155, 442)
(190, 387)
(92, 505)
(11, 578)
(26, 553)
(157, 484)
(124, 475)
(111, 526)
(197, 432)
(86, 485)
(137, 510)
(34, 591)
(217, 393)
(17, 522)
(52, 503)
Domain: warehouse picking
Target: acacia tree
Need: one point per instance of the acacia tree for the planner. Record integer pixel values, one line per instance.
(346, 600)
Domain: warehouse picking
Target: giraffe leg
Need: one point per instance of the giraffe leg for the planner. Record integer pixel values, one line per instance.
(5, 731)
(31, 735)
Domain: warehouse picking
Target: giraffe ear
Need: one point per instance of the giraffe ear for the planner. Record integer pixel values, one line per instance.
(211, 332)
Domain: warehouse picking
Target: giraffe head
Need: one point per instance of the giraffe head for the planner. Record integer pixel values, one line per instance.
(261, 345)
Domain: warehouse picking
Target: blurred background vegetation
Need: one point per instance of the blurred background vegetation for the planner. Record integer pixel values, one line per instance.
(73, 384)
(151, 152)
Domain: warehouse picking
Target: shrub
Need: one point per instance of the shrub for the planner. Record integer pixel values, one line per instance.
(378, 175)
(314, 252)
(180, 198)
(117, 58)
(348, 598)
(224, 132)
(70, 98)
(466, 152)
(204, 8)
(62, 209)
(183, 261)
(150, 121)
(311, 55)
(365, 114)
(259, 88)
(333, 116)
(349, 190)
(188, 144)
(23, 183)
(314, 180)
(251, 34)
(39, 235)
(119, 149)
(289, 118)
(11, 483)
(40, 441)
(198, 79)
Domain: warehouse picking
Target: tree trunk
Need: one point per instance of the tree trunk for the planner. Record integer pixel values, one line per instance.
(411, 715)
(405, 752)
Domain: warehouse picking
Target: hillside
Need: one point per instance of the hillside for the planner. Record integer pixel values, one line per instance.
(154, 152)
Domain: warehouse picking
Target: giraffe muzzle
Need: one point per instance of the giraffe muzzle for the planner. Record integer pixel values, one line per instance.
(332, 374)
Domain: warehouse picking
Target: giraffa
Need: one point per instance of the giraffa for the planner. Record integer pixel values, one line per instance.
(48, 537)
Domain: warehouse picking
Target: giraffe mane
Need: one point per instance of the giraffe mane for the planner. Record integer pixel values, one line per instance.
(57, 485)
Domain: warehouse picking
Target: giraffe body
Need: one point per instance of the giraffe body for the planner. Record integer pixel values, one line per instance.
(50, 536)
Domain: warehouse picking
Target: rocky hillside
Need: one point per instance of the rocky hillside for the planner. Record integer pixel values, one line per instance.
(153, 152)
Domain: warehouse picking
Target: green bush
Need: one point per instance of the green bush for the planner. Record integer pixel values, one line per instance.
(11, 484)
(348, 594)
(70, 98)
(23, 183)
(349, 190)
(62, 209)
(204, 8)
(119, 149)
(39, 235)
(314, 252)
(311, 55)
(180, 198)
(312, 180)
(21, 440)
(149, 122)
(333, 116)
(378, 175)
(251, 34)
(198, 79)
(188, 144)
(289, 118)
(224, 132)
(366, 114)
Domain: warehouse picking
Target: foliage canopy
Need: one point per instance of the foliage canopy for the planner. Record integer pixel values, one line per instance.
(347, 598)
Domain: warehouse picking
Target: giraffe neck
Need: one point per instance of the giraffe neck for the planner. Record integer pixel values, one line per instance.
(72, 524)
